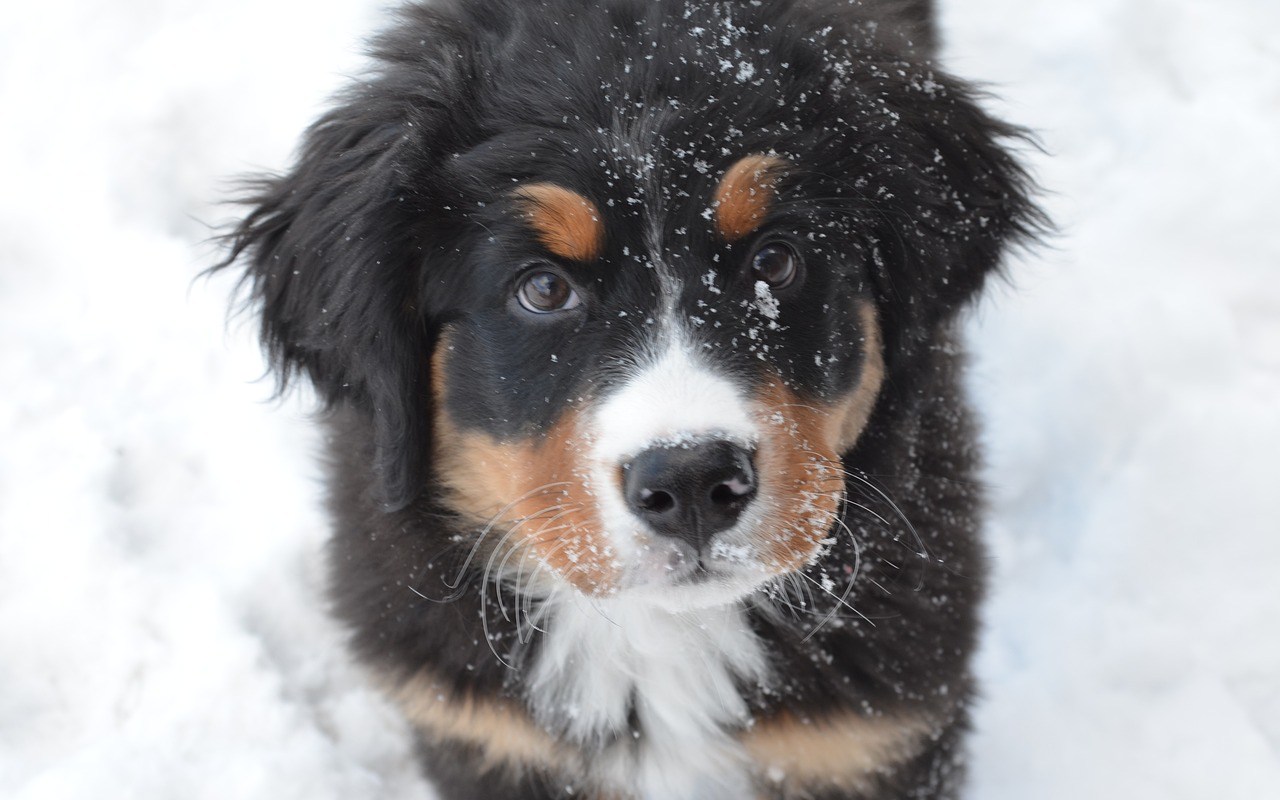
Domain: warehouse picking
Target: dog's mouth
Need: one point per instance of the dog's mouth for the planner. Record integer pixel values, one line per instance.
(678, 577)
(697, 570)
(696, 573)
(706, 572)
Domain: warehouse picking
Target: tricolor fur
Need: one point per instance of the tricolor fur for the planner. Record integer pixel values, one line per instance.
(651, 476)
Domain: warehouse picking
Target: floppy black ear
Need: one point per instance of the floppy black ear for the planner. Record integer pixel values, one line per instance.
(950, 199)
(330, 256)
(915, 18)
(334, 249)
(933, 183)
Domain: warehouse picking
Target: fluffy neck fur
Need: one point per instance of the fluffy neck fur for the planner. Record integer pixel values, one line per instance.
(656, 691)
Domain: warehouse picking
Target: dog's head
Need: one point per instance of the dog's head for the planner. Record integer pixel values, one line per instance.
(622, 302)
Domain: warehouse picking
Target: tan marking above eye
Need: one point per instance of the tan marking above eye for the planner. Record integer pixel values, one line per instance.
(567, 224)
(744, 195)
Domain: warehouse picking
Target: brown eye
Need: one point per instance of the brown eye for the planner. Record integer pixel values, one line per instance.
(546, 292)
(776, 264)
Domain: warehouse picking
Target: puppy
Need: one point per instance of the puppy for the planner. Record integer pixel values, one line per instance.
(651, 476)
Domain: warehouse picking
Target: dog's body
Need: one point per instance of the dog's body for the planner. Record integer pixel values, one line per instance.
(650, 470)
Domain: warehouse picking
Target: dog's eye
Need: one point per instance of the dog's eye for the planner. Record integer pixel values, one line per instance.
(776, 263)
(545, 292)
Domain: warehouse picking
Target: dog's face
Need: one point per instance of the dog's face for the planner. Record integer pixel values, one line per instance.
(645, 383)
(625, 318)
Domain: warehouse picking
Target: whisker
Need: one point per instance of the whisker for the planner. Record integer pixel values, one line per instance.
(848, 589)
(522, 599)
(923, 551)
(527, 598)
(801, 405)
(484, 624)
(497, 577)
(530, 540)
(800, 591)
(518, 601)
(484, 592)
(490, 525)
(837, 598)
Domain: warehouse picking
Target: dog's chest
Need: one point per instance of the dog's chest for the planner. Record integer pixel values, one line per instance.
(656, 693)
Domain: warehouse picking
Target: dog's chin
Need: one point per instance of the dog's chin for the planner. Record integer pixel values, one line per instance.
(675, 579)
(709, 591)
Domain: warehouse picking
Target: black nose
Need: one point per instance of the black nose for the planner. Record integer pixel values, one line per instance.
(690, 493)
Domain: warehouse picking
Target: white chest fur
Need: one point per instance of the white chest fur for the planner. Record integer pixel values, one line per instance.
(679, 671)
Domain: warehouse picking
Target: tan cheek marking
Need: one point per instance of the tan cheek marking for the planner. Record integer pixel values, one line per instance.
(567, 224)
(855, 410)
(847, 751)
(744, 195)
(799, 473)
(537, 490)
(799, 456)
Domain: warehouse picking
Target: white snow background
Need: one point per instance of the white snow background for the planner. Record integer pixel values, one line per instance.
(162, 627)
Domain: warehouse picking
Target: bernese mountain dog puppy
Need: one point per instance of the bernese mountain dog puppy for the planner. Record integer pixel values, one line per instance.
(651, 474)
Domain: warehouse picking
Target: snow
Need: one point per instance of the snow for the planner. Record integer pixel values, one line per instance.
(162, 628)
(765, 303)
(1130, 389)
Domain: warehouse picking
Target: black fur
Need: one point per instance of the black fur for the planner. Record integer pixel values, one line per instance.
(393, 224)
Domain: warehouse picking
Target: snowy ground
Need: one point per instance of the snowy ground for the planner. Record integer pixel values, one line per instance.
(161, 632)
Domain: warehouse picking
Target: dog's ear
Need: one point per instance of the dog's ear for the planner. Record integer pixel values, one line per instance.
(948, 197)
(331, 251)
(334, 249)
(933, 182)
(916, 19)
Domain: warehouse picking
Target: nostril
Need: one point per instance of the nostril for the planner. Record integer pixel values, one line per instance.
(657, 502)
(730, 491)
(723, 495)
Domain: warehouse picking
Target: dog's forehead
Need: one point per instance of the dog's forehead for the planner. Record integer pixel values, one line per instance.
(646, 193)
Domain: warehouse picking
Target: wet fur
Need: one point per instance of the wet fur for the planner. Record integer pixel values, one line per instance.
(351, 258)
